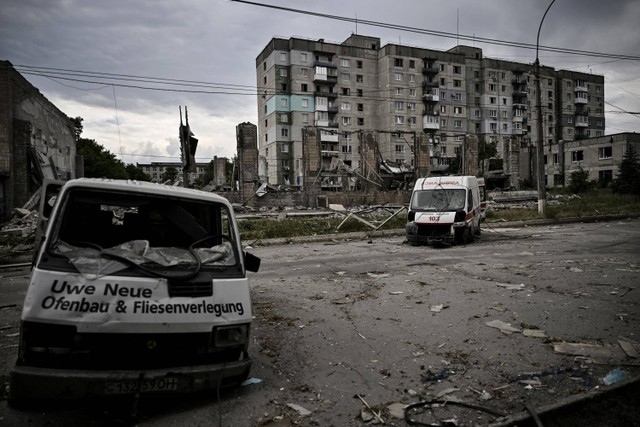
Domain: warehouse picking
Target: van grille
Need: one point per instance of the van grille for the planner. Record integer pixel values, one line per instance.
(68, 349)
(190, 289)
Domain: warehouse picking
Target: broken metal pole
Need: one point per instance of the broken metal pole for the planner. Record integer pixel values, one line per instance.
(404, 208)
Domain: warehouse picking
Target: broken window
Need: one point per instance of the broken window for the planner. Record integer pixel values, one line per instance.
(104, 232)
(438, 200)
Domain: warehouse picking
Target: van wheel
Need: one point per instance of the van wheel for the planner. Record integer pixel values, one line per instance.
(469, 236)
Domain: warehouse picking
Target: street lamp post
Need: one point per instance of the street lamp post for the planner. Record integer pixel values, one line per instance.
(542, 185)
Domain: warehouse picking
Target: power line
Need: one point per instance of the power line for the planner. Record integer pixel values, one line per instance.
(445, 34)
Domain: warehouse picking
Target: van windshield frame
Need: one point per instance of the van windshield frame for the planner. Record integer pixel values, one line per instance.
(106, 232)
(439, 199)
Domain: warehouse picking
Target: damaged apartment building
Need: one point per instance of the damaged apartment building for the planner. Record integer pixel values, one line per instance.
(37, 141)
(384, 115)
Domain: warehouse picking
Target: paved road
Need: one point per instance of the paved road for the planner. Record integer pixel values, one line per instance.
(343, 325)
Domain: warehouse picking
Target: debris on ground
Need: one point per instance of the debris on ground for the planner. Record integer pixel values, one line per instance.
(505, 328)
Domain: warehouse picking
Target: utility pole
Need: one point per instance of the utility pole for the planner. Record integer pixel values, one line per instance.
(542, 185)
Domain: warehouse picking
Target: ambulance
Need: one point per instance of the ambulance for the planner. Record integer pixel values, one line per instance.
(135, 288)
(444, 210)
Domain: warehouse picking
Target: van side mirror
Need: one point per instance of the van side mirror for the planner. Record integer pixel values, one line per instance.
(251, 262)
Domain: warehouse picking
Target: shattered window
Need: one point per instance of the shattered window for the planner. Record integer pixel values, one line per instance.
(106, 232)
(438, 200)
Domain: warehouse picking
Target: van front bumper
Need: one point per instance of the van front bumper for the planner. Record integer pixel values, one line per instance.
(430, 233)
(44, 383)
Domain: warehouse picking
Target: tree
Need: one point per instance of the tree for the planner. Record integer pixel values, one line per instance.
(136, 173)
(487, 150)
(455, 165)
(579, 181)
(77, 124)
(170, 174)
(628, 179)
(99, 162)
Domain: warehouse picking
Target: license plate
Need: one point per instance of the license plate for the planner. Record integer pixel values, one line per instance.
(148, 385)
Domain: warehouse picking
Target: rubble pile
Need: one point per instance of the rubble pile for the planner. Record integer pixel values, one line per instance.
(23, 223)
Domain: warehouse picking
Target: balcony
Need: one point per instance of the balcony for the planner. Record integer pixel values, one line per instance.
(520, 94)
(427, 84)
(329, 137)
(581, 86)
(430, 71)
(427, 97)
(430, 122)
(330, 95)
(325, 64)
(582, 121)
(332, 110)
(329, 153)
(325, 79)
(581, 99)
(517, 119)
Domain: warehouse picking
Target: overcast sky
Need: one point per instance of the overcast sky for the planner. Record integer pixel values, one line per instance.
(217, 41)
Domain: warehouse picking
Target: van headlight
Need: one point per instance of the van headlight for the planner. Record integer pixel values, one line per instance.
(230, 336)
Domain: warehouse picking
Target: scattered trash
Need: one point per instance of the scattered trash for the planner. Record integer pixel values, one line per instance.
(250, 381)
(531, 383)
(438, 307)
(396, 292)
(299, 409)
(628, 348)
(376, 414)
(430, 405)
(533, 378)
(366, 416)
(505, 328)
(536, 333)
(444, 373)
(447, 391)
(615, 376)
(580, 349)
(575, 270)
(511, 287)
(378, 275)
(396, 410)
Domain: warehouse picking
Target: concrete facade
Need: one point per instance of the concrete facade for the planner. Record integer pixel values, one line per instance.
(401, 92)
(599, 156)
(37, 141)
(155, 170)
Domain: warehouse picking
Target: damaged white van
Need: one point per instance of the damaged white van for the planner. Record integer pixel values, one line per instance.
(135, 288)
(444, 209)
